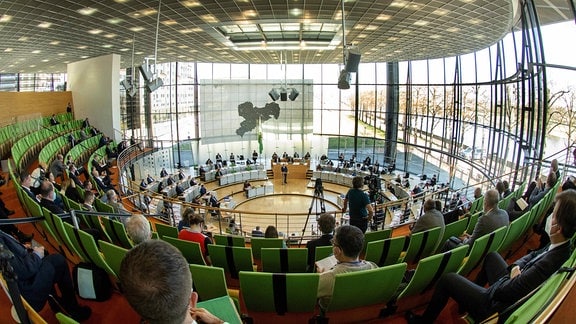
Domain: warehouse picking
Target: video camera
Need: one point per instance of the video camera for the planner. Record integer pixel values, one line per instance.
(318, 185)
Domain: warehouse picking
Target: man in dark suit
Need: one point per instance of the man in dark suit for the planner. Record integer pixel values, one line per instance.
(37, 273)
(48, 197)
(508, 283)
(284, 170)
(163, 173)
(493, 218)
(326, 224)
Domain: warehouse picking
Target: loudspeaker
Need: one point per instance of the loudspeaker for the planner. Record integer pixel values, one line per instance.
(344, 80)
(283, 95)
(293, 94)
(154, 84)
(353, 60)
(126, 85)
(146, 74)
(274, 94)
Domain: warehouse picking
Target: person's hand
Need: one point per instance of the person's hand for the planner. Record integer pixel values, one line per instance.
(515, 271)
(464, 236)
(201, 315)
(319, 269)
(39, 250)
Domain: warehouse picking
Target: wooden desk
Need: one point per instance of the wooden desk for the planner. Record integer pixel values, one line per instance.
(295, 170)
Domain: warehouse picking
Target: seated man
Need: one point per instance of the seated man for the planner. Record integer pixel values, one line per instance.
(138, 228)
(157, 283)
(348, 242)
(326, 224)
(257, 232)
(37, 273)
(430, 219)
(492, 219)
(508, 283)
(163, 173)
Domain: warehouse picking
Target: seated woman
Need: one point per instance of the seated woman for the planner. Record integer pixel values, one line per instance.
(194, 233)
(272, 232)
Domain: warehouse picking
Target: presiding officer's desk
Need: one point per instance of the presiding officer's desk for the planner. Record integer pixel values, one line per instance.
(296, 170)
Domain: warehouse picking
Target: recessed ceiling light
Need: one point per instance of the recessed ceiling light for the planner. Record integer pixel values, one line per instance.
(45, 24)
(474, 21)
(383, 17)
(128, 41)
(435, 36)
(405, 31)
(249, 13)
(170, 41)
(121, 1)
(82, 47)
(54, 42)
(23, 39)
(142, 13)
(95, 31)
(169, 22)
(84, 56)
(86, 11)
(392, 38)
(453, 29)
(33, 65)
(139, 53)
(9, 49)
(190, 3)
(359, 26)
(36, 51)
(5, 18)
(114, 21)
(208, 44)
(295, 12)
(137, 29)
(107, 45)
(185, 31)
(124, 49)
(209, 18)
(110, 35)
(440, 12)
(421, 23)
(45, 60)
(398, 3)
(183, 46)
(362, 36)
(61, 54)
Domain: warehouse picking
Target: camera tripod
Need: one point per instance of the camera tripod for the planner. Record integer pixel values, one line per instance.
(317, 201)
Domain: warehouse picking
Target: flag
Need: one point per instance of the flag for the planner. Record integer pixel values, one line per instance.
(260, 144)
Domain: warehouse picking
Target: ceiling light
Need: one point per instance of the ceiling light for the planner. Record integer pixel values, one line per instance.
(209, 18)
(474, 21)
(185, 31)
(169, 22)
(23, 39)
(124, 49)
(114, 21)
(95, 31)
(440, 12)
(398, 3)
(137, 29)
(453, 29)
(107, 45)
(36, 51)
(295, 12)
(87, 11)
(54, 42)
(84, 56)
(383, 17)
(5, 18)
(190, 3)
(121, 1)
(250, 13)
(110, 35)
(45, 60)
(45, 24)
(9, 49)
(82, 47)
(61, 54)
(421, 23)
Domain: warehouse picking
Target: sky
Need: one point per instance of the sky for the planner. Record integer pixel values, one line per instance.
(560, 48)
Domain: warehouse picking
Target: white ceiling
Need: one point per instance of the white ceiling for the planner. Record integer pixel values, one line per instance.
(45, 35)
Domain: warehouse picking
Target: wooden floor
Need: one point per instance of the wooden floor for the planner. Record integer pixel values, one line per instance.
(116, 310)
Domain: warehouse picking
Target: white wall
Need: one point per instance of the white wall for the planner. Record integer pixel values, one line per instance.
(95, 86)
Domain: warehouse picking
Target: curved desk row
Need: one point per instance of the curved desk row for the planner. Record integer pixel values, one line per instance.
(242, 176)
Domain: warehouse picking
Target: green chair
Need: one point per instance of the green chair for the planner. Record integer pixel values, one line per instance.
(102, 206)
(87, 244)
(258, 243)
(456, 228)
(293, 260)
(385, 252)
(166, 230)
(64, 319)
(376, 236)
(223, 308)
(229, 240)
(477, 205)
(190, 250)
(209, 282)
(94, 222)
(232, 259)
(113, 254)
(353, 290)
(281, 294)
(429, 270)
(321, 252)
(482, 246)
(515, 231)
(57, 226)
(422, 244)
(117, 232)
(472, 221)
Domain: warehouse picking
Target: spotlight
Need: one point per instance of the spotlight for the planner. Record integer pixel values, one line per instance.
(274, 94)
(293, 94)
(352, 60)
(344, 80)
(283, 95)
(154, 84)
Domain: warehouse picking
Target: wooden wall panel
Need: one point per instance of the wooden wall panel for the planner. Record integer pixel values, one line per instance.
(25, 105)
